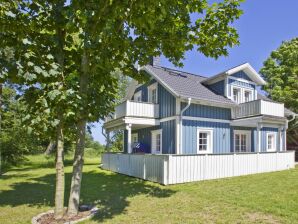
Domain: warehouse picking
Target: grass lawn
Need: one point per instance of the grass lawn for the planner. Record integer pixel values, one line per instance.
(264, 198)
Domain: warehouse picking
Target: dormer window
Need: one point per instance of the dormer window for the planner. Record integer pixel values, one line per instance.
(152, 93)
(237, 95)
(247, 95)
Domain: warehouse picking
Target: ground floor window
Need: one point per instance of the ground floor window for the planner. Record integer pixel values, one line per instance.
(204, 140)
(271, 142)
(156, 141)
(134, 139)
(242, 141)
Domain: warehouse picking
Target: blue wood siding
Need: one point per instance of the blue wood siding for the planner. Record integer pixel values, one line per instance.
(242, 75)
(198, 110)
(144, 90)
(221, 136)
(166, 101)
(168, 136)
(218, 87)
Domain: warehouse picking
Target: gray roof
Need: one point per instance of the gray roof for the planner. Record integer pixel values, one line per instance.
(187, 85)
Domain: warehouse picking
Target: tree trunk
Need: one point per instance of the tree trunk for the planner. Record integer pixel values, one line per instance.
(50, 148)
(60, 185)
(0, 127)
(74, 197)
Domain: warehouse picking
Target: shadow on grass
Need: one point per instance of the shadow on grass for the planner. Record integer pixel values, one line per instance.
(109, 191)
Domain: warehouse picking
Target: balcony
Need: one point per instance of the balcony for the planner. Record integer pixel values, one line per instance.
(258, 107)
(134, 109)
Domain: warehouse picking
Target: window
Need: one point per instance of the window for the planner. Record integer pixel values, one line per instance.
(237, 95)
(156, 142)
(204, 140)
(247, 96)
(242, 95)
(152, 93)
(134, 140)
(241, 141)
(271, 142)
(138, 96)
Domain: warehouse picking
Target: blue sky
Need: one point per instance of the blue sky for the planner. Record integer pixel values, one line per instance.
(262, 28)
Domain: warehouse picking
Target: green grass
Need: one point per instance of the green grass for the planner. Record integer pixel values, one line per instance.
(265, 198)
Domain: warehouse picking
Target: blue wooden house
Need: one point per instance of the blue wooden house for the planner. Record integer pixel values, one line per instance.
(181, 115)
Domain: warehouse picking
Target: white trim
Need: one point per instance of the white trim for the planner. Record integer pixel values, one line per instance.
(247, 68)
(156, 132)
(129, 145)
(165, 119)
(209, 132)
(138, 120)
(226, 86)
(248, 140)
(242, 80)
(274, 141)
(205, 119)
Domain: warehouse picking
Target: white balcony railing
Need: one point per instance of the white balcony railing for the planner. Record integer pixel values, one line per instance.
(134, 109)
(258, 107)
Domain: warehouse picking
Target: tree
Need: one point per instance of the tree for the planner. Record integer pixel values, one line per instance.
(89, 41)
(280, 71)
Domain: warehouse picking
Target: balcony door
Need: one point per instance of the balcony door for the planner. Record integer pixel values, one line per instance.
(156, 142)
(242, 141)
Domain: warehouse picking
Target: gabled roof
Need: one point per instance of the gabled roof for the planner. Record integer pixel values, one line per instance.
(246, 67)
(186, 85)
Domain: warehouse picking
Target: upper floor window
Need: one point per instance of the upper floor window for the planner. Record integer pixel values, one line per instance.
(138, 96)
(242, 95)
(152, 93)
(237, 95)
(248, 95)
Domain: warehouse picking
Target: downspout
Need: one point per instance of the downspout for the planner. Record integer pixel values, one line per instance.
(180, 121)
(293, 118)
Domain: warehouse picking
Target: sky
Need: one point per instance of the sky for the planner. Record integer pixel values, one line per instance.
(262, 28)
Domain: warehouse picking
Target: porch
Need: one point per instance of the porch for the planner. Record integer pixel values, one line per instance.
(172, 168)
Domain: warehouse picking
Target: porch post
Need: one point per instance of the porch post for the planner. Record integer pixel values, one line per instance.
(279, 137)
(128, 128)
(108, 141)
(259, 127)
(285, 137)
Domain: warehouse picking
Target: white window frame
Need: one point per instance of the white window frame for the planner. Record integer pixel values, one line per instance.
(251, 96)
(242, 93)
(150, 89)
(273, 149)
(138, 95)
(154, 133)
(209, 132)
(133, 136)
(239, 95)
(248, 139)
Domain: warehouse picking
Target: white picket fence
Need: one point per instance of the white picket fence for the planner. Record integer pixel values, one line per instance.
(173, 169)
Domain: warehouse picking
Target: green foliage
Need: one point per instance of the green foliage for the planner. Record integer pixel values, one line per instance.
(15, 139)
(280, 71)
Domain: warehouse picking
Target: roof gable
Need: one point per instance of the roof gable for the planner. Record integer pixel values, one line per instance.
(244, 71)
